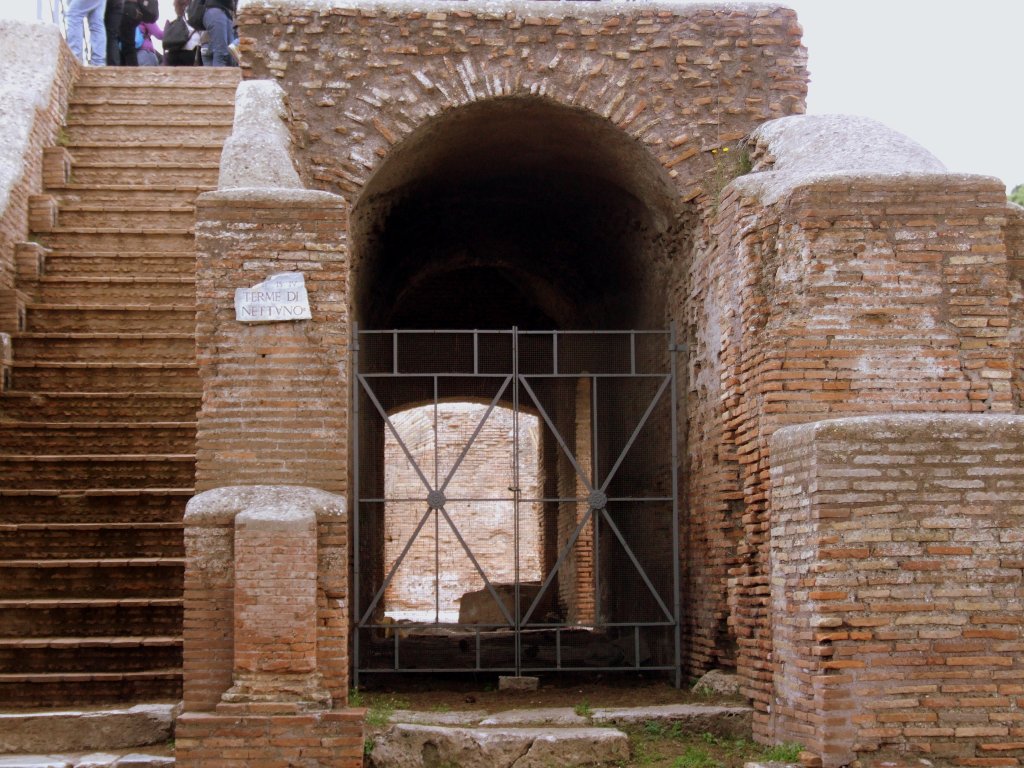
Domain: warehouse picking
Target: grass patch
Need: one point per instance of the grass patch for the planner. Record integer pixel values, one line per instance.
(583, 709)
(380, 710)
(783, 753)
(695, 757)
(657, 744)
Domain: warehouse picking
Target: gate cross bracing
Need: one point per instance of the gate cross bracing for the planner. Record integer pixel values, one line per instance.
(564, 551)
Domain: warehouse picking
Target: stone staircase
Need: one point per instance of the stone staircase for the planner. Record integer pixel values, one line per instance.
(97, 423)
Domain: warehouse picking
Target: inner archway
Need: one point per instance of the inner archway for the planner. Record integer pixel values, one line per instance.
(514, 212)
(520, 213)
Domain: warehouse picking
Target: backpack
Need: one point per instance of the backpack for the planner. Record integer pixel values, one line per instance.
(149, 10)
(176, 34)
(194, 13)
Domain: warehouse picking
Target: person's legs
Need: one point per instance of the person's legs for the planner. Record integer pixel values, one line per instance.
(126, 34)
(77, 12)
(218, 27)
(97, 34)
(112, 21)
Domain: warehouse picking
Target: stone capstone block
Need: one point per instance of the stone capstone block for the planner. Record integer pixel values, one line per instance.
(517, 682)
(419, 746)
(72, 731)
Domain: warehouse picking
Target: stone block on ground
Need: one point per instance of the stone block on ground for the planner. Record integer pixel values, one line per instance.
(518, 683)
(419, 746)
(542, 716)
(71, 731)
(718, 682)
(729, 722)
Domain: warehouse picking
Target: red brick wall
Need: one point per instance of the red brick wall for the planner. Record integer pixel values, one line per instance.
(846, 297)
(275, 395)
(1015, 263)
(896, 566)
(487, 527)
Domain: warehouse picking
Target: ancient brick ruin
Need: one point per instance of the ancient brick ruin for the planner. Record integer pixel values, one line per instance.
(842, 522)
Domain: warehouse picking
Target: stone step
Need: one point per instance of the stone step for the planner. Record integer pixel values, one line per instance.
(85, 290)
(154, 102)
(99, 437)
(129, 194)
(77, 730)
(105, 759)
(52, 689)
(194, 80)
(401, 744)
(104, 347)
(24, 406)
(69, 541)
(105, 376)
(112, 470)
(91, 617)
(112, 263)
(89, 654)
(165, 156)
(92, 577)
(145, 173)
(165, 115)
(136, 130)
(119, 239)
(98, 318)
(93, 505)
(169, 215)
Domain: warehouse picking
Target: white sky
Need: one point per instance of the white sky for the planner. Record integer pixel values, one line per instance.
(948, 73)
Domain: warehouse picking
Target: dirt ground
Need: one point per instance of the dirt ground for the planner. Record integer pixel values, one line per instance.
(439, 693)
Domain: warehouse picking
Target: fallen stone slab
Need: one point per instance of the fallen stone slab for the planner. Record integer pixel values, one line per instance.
(730, 722)
(68, 732)
(95, 760)
(408, 745)
(34, 761)
(137, 760)
(467, 717)
(540, 716)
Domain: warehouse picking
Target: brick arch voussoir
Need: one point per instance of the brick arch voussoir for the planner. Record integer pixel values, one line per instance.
(588, 82)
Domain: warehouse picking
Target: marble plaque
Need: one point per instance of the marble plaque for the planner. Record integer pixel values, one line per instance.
(279, 298)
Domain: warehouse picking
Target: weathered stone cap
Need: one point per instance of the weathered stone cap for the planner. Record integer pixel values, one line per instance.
(903, 426)
(219, 506)
(257, 154)
(32, 51)
(542, 8)
(800, 149)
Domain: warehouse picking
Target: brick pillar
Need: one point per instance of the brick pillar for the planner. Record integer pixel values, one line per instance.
(275, 609)
(897, 590)
(266, 627)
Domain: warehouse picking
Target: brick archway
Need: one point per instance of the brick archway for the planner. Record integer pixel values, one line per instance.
(677, 82)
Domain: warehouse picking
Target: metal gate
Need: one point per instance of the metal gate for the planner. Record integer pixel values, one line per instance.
(515, 502)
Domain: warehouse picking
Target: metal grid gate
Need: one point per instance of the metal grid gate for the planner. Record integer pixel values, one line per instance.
(530, 478)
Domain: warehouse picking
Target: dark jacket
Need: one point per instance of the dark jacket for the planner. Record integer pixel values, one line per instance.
(228, 6)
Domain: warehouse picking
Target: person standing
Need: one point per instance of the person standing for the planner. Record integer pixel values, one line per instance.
(130, 18)
(219, 23)
(91, 11)
(112, 22)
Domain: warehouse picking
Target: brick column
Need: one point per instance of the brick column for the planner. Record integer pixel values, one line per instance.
(275, 395)
(266, 627)
(896, 588)
(275, 609)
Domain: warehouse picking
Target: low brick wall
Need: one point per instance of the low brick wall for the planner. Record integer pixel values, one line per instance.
(897, 553)
(319, 739)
